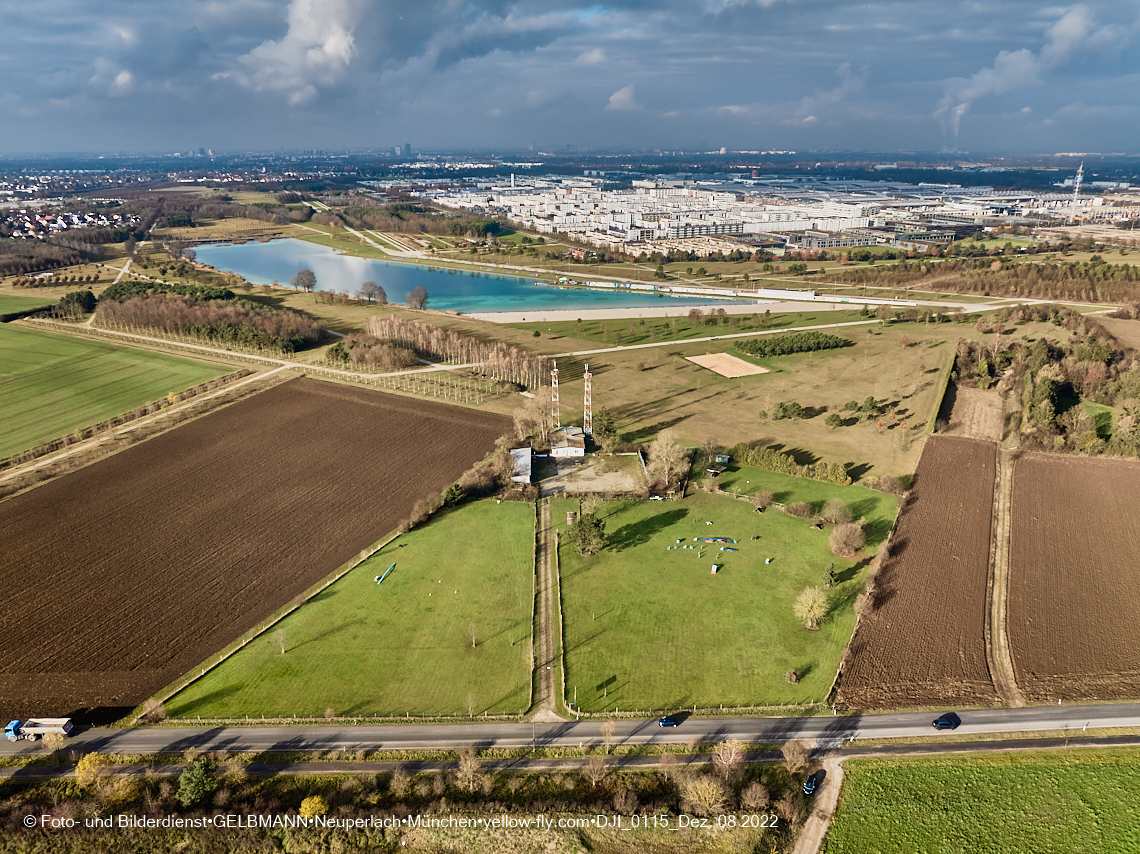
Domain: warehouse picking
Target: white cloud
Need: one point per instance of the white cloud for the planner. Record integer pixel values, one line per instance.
(849, 83)
(1074, 34)
(597, 56)
(623, 99)
(314, 53)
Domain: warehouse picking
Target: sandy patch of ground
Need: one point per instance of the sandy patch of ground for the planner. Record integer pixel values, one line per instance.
(593, 474)
(726, 365)
(976, 414)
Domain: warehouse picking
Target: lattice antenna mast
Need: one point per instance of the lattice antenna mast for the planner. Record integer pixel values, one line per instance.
(1076, 192)
(588, 405)
(554, 397)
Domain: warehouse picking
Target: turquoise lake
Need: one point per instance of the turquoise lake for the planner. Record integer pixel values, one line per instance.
(279, 260)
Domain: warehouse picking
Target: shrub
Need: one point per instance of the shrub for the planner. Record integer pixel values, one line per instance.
(787, 409)
(847, 539)
(836, 511)
(755, 797)
(762, 499)
(313, 806)
(800, 509)
(196, 783)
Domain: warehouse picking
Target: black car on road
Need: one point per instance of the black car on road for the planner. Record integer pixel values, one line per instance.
(947, 721)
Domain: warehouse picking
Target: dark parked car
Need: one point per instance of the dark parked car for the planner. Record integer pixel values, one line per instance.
(811, 782)
(668, 720)
(947, 721)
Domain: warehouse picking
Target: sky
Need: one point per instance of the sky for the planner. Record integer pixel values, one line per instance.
(1001, 77)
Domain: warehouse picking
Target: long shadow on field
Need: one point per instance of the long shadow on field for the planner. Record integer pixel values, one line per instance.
(857, 471)
(585, 642)
(206, 699)
(328, 633)
(639, 533)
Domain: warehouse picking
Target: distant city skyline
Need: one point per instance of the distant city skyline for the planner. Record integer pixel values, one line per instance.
(1008, 77)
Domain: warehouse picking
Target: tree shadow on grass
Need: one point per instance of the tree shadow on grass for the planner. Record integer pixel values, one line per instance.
(639, 533)
(206, 700)
(326, 634)
(802, 456)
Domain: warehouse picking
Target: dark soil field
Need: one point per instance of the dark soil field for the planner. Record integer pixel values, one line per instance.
(923, 643)
(124, 575)
(1073, 598)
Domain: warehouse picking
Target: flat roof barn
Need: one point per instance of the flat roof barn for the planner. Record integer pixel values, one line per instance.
(521, 465)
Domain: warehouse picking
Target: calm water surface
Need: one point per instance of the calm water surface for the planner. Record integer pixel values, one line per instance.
(279, 260)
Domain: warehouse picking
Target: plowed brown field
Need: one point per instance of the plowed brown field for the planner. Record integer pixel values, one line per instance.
(924, 642)
(122, 576)
(1074, 601)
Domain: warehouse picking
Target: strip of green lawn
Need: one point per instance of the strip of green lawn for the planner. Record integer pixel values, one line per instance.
(1038, 803)
(12, 304)
(52, 384)
(403, 646)
(650, 627)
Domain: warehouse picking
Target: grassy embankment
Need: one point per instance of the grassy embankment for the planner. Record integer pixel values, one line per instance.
(1031, 803)
(54, 384)
(404, 646)
(648, 627)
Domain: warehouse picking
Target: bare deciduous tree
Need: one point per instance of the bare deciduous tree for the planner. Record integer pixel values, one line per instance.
(761, 500)
(608, 735)
(306, 279)
(790, 806)
(705, 796)
(154, 711)
(473, 633)
(279, 639)
(811, 607)
(728, 758)
(796, 755)
(847, 539)
(595, 770)
(666, 457)
(755, 797)
(534, 417)
(399, 782)
(469, 776)
(836, 510)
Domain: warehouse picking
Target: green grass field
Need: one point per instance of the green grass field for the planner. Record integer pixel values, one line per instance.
(13, 303)
(402, 647)
(53, 384)
(1029, 803)
(680, 328)
(659, 631)
(876, 508)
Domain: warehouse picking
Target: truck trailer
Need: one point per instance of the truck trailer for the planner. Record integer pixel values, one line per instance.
(36, 728)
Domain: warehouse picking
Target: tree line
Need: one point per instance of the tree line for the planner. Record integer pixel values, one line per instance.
(216, 321)
(495, 360)
(1095, 279)
(790, 342)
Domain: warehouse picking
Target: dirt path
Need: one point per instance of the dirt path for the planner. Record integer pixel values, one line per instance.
(544, 707)
(1001, 661)
(815, 828)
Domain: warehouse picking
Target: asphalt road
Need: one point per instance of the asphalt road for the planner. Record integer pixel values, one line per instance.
(829, 732)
